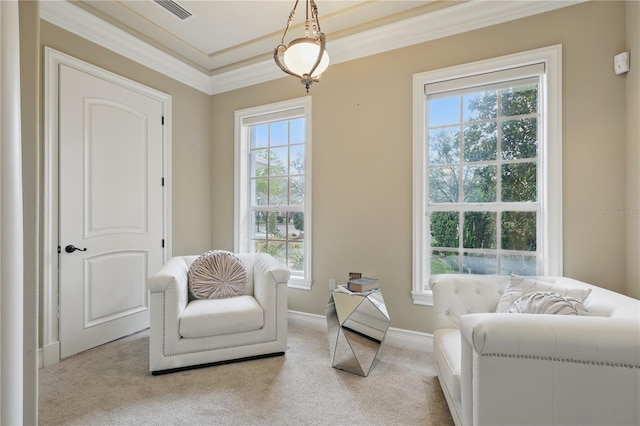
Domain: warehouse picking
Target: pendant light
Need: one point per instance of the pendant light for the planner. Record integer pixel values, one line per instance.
(305, 57)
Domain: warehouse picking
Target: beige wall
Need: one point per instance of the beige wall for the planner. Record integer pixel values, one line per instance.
(362, 121)
(30, 98)
(191, 136)
(633, 150)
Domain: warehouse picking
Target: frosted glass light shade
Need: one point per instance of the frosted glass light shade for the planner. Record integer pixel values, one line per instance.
(302, 54)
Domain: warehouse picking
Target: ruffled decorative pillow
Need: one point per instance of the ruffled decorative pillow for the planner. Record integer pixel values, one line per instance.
(548, 302)
(217, 274)
(519, 286)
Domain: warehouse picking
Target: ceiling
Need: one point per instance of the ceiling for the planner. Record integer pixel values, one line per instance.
(221, 34)
(226, 44)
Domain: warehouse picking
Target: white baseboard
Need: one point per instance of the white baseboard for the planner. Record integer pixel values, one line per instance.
(317, 322)
(410, 339)
(50, 354)
(395, 336)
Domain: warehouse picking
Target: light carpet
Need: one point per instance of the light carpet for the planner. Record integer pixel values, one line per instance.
(111, 385)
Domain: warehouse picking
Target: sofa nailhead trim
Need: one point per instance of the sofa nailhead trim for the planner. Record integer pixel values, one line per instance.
(554, 359)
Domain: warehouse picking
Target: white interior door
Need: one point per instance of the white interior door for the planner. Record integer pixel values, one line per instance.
(110, 203)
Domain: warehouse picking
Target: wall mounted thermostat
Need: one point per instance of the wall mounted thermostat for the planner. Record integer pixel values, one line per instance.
(621, 63)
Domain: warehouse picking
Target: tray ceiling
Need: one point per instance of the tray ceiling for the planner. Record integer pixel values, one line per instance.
(226, 44)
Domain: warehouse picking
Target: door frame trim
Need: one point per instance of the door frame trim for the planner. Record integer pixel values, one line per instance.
(50, 221)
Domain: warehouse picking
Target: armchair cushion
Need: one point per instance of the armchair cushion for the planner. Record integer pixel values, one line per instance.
(448, 353)
(217, 274)
(204, 318)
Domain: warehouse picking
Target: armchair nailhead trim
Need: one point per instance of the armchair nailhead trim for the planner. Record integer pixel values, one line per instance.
(554, 359)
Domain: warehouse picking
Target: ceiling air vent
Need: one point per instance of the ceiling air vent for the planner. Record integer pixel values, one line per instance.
(174, 8)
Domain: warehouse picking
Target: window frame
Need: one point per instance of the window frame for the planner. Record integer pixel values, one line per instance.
(550, 156)
(243, 119)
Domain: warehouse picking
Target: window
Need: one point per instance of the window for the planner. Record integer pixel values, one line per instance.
(273, 185)
(487, 161)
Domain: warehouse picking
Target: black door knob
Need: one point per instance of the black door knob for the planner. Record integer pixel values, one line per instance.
(71, 248)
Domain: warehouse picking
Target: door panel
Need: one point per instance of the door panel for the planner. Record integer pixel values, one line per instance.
(108, 286)
(111, 204)
(116, 170)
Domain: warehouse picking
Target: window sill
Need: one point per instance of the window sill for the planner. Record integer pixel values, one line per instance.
(299, 283)
(422, 297)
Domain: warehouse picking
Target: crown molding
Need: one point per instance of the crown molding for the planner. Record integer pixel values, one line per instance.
(82, 23)
(458, 19)
(453, 20)
(445, 22)
(259, 72)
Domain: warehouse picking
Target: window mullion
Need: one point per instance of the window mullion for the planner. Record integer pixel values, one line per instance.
(499, 149)
(460, 239)
(499, 120)
(461, 191)
(461, 194)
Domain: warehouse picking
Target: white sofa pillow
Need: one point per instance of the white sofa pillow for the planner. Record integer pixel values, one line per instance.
(519, 286)
(548, 302)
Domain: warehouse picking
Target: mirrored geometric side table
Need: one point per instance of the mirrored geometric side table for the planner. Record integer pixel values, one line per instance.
(357, 324)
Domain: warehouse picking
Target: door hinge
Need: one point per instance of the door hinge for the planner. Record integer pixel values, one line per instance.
(162, 181)
(163, 243)
(163, 120)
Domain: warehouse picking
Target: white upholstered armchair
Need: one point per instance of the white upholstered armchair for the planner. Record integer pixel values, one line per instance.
(187, 334)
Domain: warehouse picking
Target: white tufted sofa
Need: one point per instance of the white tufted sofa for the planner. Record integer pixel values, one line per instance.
(184, 335)
(525, 369)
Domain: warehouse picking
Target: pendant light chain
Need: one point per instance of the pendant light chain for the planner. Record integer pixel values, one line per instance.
(289, 21)
(314, 16)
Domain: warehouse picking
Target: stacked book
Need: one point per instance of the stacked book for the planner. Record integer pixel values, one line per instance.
(363, 284)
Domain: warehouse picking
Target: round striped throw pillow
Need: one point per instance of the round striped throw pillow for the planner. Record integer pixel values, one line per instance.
(548, 302)
(217, 274)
